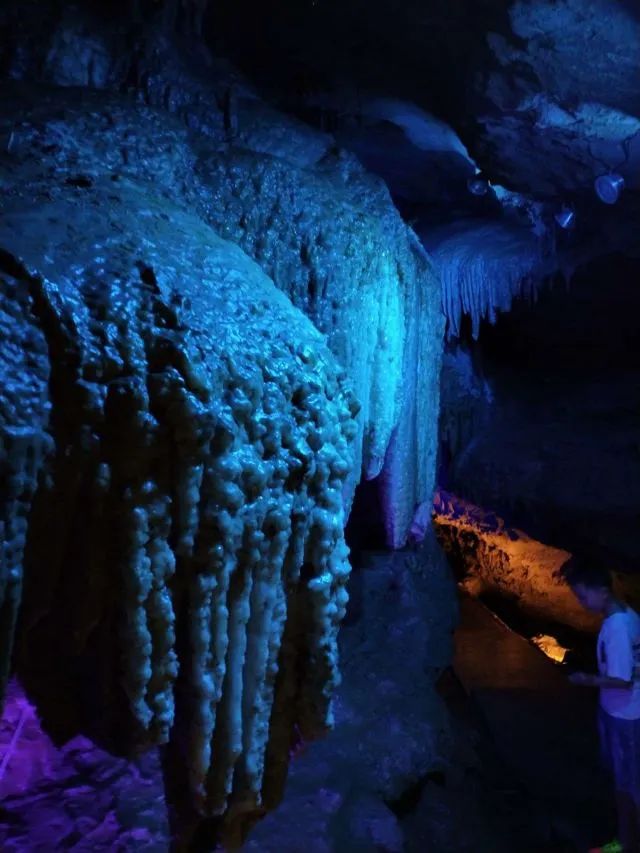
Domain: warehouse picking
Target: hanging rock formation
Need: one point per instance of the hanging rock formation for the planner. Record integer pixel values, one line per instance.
(484, 266)
(185, 559)
(324, 230)
(185, 562)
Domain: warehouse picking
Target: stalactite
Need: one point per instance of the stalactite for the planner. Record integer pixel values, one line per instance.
(325, 239)
(24, 441)
(214, 424)
(483, 268)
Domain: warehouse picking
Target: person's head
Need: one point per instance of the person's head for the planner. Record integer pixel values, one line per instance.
(590, 583)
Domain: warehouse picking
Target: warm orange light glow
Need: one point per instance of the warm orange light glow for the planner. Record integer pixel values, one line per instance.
(550, 647)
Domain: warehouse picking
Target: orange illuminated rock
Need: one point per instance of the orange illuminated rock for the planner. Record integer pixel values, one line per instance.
(493, 558)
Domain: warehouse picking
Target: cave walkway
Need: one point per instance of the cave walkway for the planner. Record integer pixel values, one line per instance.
(543, 728)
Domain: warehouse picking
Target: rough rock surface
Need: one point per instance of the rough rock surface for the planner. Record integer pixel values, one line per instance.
(347, 792)
(319, 226)
(494, 558)
(324, 236)
(541, 96)
(543, 93)
(561, 103)
(75, 797)
(466, 404)
(190, 516)
(24, 415)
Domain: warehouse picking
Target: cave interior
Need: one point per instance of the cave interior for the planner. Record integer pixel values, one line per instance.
(319, 360)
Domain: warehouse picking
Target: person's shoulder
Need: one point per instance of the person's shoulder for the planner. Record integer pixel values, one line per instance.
(621, 620)
(627, 613)
(619, 616)
(630, 613)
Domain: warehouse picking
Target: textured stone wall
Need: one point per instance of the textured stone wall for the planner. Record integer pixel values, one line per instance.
(24, 411)
(190, 512)
(325, 231)
(332, 241)
(495, 559)
(185, 563)
(185, 566)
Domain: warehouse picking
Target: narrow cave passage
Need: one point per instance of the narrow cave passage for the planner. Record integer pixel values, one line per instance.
(552, 391)
(539, 459)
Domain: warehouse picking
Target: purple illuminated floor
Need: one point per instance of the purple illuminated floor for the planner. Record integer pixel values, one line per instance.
(77, 797)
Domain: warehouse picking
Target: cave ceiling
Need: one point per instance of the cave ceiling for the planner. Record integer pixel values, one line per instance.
(542, 95)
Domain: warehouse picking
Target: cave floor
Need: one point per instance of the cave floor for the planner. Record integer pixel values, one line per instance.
(543, 729)
(519, 773)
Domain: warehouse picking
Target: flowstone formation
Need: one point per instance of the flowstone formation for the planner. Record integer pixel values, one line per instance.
(332, 241)
(185, 563)
(24, 411)
(324, 230)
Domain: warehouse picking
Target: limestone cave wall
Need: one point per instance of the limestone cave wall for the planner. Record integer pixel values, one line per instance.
(191, 506)
(180, 444)
(323, 229)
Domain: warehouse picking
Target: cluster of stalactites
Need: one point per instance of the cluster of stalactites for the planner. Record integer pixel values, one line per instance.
(483, 268)
(201, 450)
(24, 407)
(333, 242)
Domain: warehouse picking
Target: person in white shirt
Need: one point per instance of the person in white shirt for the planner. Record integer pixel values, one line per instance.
(618, 679)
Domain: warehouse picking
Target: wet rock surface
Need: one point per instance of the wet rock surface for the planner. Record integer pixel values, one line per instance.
(178, 485)
(74, 797)
(303, 208)
(174, 510)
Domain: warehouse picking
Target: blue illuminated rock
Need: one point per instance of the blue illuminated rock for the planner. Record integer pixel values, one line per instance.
(202, 433)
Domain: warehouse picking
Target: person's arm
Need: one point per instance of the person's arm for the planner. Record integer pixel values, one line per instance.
(619, 661)
(586, 679)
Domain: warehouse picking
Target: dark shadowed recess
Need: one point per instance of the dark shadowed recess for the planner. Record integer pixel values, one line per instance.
(558, 454)
(300, 48)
